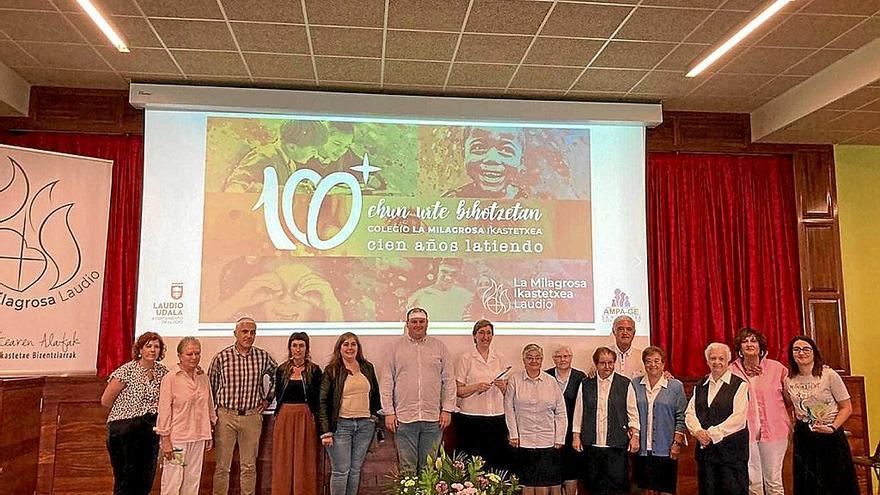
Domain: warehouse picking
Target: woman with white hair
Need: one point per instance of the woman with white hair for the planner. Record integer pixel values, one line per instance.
(569, 380)
(716, 417)
(534, 410)
(186, 419)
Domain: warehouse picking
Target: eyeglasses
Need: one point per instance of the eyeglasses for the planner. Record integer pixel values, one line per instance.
(803, 350)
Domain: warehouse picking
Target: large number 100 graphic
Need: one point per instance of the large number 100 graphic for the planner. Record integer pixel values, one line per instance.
(269, 202)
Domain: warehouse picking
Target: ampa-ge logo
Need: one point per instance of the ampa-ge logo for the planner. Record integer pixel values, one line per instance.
(620, 305)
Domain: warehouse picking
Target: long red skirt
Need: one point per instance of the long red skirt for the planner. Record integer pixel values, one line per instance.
(294, 451)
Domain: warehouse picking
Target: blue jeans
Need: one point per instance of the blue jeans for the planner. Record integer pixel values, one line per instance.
(415, 442)
(350, 443)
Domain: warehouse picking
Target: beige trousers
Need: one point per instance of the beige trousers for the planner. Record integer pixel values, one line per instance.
(244, 430)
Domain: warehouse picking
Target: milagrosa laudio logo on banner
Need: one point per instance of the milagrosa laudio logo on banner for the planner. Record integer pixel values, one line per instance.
(53, 235)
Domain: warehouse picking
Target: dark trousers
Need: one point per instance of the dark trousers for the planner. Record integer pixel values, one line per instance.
(607, 470)
(717, 478)
(133, 449)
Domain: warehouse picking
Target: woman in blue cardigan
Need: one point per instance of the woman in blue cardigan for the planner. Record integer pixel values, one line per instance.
(661, 402)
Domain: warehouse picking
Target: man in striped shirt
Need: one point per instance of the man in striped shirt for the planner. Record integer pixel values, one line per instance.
(237, 374)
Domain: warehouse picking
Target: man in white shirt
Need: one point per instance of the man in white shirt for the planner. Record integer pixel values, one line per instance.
(606, 423)
(716, 417)
(417, 389)
(629, 359)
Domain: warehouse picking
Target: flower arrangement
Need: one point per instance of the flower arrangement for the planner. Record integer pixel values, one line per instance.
(454, 475)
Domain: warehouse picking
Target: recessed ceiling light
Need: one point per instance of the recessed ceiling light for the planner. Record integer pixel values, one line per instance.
(761, 16)
(103, 25)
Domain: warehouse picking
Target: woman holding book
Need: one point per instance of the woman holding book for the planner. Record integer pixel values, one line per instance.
(186, 419)
(822, 459)
(481, 381)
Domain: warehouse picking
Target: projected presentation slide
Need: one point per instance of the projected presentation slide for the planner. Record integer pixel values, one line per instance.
(332, 224)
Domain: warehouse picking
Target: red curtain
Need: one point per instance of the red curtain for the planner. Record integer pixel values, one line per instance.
(722, 253)
(123, 235)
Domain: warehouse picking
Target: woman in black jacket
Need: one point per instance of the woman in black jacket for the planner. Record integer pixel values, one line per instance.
(349, 405)
(295, 436)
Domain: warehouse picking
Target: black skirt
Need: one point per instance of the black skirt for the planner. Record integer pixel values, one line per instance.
(485, 436)
(655, 472)
(822, 463)
(607, 470)
(573, 463)
(538, 467)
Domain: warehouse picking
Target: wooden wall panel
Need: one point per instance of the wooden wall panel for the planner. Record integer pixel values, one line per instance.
(819, 251)
(819, 268)
(82, 464)
(823, 323)
(702, 132)
(19, 434)
(91, 111)
(72, 425)
(818, 185)
(856, 428)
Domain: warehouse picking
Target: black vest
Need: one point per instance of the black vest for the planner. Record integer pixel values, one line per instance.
(575, 378)
(733, 448)
(618, 421)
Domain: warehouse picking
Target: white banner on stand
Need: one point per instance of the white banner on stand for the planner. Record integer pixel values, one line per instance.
(53, 238)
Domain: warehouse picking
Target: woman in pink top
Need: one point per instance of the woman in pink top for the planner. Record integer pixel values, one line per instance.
(768, 420)
(186, 416)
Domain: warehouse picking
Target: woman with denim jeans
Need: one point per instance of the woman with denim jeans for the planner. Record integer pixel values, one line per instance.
(348, 407)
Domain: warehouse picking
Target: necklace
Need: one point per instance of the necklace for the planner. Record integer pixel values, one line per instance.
(752, 370)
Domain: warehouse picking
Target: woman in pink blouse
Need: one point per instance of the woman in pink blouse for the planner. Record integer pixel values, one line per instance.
(768, 421)
(186, 416)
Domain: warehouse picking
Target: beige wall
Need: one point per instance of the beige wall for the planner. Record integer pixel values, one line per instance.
(858, 190)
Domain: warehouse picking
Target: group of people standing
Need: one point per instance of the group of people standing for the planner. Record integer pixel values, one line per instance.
(621, 423)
